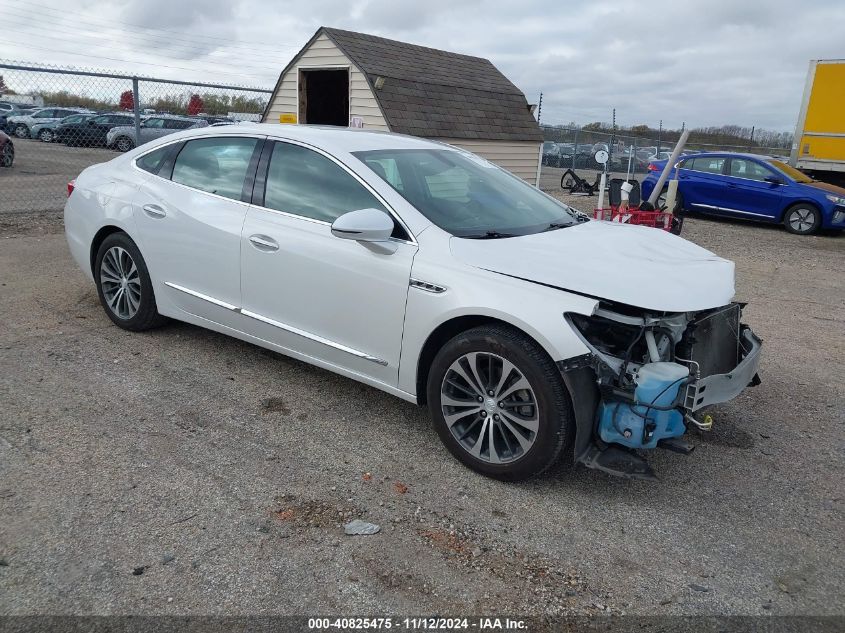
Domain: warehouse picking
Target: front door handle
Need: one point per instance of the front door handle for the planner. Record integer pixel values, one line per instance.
(154, 211)
(264, 243)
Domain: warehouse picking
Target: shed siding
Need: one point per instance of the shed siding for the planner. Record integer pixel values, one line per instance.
(323, 52)
(518, 157)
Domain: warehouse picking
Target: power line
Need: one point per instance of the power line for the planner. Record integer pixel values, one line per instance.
(145, 39)
(76, 40)
(63, 14)
(126, 61)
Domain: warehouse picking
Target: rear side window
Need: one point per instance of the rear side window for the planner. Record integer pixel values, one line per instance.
(176, 124)
(215, 165)
(303, 182)
(707, 165)
(153, 161)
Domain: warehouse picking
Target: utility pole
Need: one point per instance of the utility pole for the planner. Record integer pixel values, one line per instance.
(659, 134)
(612, 135)
(751, 139)
(539, 108)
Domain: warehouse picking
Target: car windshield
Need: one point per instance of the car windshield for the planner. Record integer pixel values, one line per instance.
(467, 195)
(790, 171)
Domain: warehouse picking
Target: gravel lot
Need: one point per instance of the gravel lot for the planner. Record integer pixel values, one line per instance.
(183, 472)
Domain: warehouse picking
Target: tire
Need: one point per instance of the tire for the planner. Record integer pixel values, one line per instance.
(468, 437)
(802, 219)
(679, 202)
(115, 259)
(46, 136)
(123, 144)
(21, 131)
(7, 155)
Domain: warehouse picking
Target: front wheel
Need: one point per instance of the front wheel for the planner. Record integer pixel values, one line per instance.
(802, 219)
(498, 403)
(46, 136)
(21, 131)
(124, 286)
(7, 155)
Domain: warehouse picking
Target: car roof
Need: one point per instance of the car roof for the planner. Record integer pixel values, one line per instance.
(327, 137)
(731, 155)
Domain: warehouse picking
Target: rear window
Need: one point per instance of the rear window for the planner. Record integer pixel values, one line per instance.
(153, 161)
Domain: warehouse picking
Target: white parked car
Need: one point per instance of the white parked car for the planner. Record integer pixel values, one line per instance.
(429, 273)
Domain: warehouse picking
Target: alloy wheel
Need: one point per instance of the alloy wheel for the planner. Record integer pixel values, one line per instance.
(46, 136)
(22, 131)
(802, 219)
(120, 282)
(124, 144)
(490, 407)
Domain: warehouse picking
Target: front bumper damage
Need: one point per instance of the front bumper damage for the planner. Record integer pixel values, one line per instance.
(702, 358)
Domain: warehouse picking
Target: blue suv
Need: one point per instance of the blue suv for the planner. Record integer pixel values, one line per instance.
(755, 188)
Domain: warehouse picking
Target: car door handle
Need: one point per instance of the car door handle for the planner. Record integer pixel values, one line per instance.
(264, 243)
(154, 211)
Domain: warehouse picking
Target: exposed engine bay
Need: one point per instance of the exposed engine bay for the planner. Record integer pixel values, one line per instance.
(654, 371)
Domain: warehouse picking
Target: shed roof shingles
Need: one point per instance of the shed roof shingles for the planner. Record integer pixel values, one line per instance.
(439, 94)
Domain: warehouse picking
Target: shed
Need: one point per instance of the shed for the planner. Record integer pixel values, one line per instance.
(354, 79)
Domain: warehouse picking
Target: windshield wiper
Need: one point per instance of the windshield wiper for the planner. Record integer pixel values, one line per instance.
(557, 225)
(489, 235)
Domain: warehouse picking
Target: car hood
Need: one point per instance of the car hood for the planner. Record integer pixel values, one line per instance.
(639, 266)
(824, 186)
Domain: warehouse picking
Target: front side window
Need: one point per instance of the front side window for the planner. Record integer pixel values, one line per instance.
(468, 196)
(73, 119)
(154, 123)
(101, 120)
(43, 114)
(749, 169)
(303, 182)
(215, 165)
(707, 165)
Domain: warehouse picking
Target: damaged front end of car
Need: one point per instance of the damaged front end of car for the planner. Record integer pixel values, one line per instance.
(646, 376)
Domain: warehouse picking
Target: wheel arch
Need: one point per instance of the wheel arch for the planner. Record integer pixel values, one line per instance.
(443, 333)
(99, 238)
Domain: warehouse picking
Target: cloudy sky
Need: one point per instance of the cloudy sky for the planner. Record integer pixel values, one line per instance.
(703, 63)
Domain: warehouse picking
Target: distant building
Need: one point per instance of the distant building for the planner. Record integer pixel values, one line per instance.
(353, 79)
(26, 100)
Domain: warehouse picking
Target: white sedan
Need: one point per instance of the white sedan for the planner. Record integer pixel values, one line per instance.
(429, 273)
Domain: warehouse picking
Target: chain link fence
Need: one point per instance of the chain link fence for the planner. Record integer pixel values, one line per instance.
(62, 120)
(575, 148)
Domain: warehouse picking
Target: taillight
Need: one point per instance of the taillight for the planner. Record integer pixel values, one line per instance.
(70, 187)
(652, 167)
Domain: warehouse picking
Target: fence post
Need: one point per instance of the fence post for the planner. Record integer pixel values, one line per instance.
(136, 101)
(575, 151)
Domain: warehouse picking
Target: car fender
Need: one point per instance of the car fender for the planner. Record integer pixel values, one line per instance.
(457, 290)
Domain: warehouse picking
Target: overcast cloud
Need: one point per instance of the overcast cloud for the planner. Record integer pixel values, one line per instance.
(703, 63)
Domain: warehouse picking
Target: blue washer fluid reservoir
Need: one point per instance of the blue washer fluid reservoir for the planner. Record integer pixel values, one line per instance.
(638, 426)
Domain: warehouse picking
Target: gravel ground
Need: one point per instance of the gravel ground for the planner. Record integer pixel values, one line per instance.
(183, 472)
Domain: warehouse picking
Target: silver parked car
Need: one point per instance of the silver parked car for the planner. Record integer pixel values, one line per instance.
(21, 126)
(122, 138)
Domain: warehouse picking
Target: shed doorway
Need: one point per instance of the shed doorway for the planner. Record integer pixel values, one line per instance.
(324, 97)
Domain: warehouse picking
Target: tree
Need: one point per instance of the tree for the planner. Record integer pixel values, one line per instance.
(4, 88)
(195, 105)
(127, 101)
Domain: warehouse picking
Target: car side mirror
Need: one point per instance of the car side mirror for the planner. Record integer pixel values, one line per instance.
(774, 180)
(371, 227)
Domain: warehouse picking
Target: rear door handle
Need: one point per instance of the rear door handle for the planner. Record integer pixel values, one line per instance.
(154, 211)
(264, 243)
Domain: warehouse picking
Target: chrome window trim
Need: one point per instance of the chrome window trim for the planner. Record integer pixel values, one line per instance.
(282, 326)
(390, 210)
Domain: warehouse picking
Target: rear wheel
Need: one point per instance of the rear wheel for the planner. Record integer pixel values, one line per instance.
(802, 219)
(124, 144)
(498, 403)
(21, 131)
(124, 286)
